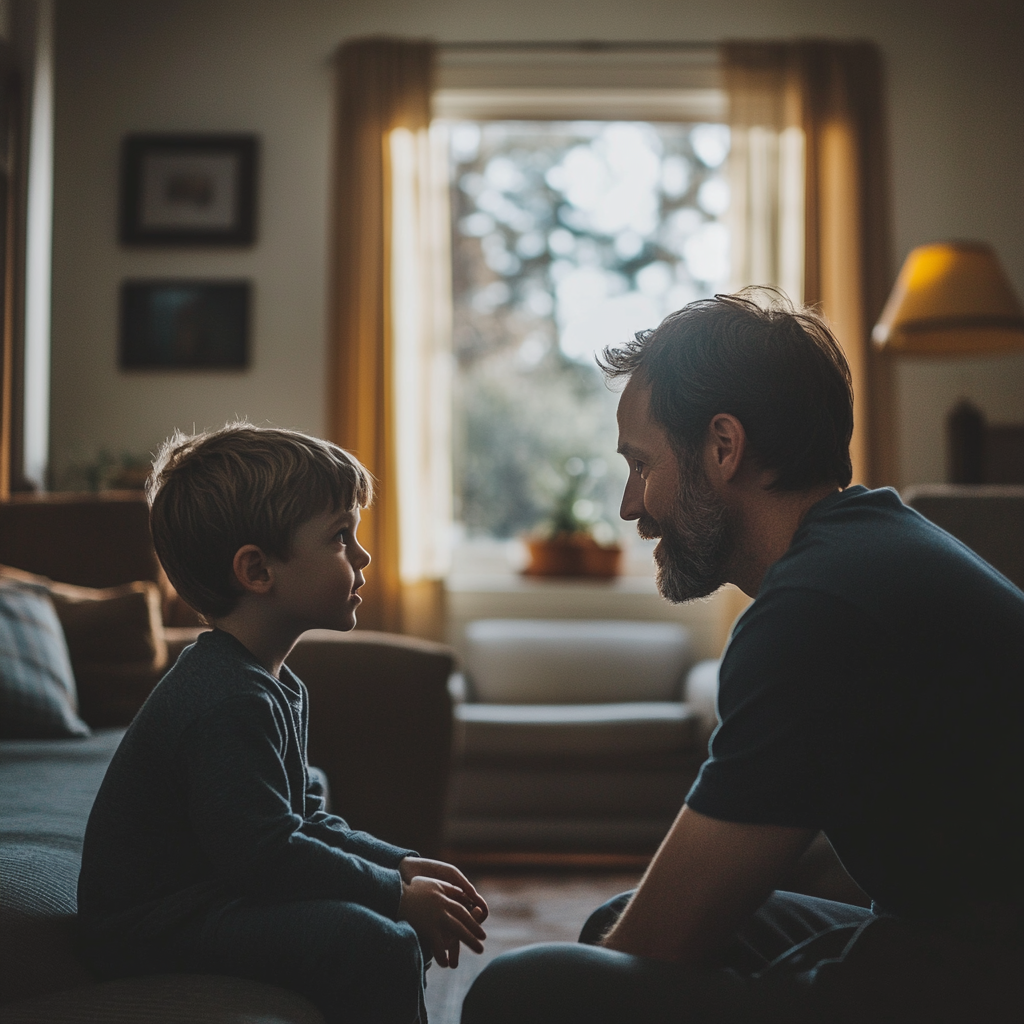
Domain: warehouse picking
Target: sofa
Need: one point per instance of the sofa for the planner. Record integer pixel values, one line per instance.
(380, 730)
(574, 735)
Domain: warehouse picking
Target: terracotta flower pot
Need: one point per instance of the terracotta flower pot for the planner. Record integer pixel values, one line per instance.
(572, 554)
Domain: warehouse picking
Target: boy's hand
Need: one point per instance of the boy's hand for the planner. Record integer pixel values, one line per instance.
(438, 912)
(469, 898)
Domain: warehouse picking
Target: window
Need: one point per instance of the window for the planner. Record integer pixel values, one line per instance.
(567, 236)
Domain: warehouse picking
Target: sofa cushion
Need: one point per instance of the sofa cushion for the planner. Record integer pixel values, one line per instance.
(541, 661)
(37, 686)
(499, 732)
(116, 642)
(46, 790)
(168, 999)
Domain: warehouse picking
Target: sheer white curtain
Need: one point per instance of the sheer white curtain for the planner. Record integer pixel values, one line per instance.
(766, 177)
(420, 330)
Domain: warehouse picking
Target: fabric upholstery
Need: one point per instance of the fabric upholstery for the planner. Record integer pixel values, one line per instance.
(91, 540)
(380, 726)
(536, 661)
(528, 731)
(37, 686)
(46, 791)
(116, 641)
(989, 519)
(701, 691)
(644, 789)
(572, 734)
(168, 999)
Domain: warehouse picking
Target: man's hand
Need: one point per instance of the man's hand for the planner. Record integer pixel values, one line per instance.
(443, 906)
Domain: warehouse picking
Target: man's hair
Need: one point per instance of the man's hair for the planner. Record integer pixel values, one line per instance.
(213, 492)
(777, 369)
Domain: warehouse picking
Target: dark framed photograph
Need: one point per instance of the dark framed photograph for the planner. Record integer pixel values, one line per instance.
(185, 325)
(188, 189)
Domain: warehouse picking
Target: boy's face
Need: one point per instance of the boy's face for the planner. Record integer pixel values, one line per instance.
(316, 587)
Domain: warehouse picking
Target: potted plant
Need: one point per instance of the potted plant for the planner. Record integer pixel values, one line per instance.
(567, 546)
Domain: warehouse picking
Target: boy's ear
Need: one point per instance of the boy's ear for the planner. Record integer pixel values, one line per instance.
(251, 570)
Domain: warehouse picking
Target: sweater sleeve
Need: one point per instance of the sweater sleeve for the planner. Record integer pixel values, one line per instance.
(239, 807)
(335, 832)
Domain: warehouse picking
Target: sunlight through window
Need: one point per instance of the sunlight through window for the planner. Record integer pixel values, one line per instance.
(567, 237)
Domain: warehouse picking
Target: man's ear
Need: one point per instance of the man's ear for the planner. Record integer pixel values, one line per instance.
(727, 447)
(251, 570)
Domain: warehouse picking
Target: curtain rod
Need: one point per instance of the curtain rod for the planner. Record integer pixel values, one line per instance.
(588, 45)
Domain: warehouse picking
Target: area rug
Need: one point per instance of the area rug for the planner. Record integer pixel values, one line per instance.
(525, 908)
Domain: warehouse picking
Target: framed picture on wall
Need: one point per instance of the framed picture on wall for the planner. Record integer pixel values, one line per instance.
(185, 325)
(188, 189)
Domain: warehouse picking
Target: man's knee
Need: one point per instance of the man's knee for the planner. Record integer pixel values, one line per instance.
(565, 983)
(528, 981)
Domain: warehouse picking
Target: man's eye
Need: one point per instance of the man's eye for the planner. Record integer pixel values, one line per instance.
(638, 466)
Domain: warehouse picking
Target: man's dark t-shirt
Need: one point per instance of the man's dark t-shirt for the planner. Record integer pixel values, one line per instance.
(875, 690)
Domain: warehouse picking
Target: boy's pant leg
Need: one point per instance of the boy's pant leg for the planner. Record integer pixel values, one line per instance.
(354, 964)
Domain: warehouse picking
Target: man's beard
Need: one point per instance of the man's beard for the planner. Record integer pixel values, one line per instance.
(696, 540)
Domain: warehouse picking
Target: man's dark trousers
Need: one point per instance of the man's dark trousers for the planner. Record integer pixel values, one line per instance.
(798, 960)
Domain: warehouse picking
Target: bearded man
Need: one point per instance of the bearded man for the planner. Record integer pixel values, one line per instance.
(873, 691)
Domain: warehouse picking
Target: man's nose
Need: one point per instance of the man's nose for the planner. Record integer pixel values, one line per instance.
(632, 506)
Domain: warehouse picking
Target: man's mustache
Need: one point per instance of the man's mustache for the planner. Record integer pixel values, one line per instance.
(648, 528)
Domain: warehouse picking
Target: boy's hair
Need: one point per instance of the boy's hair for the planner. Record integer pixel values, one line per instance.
(215, 491)
(777, 369)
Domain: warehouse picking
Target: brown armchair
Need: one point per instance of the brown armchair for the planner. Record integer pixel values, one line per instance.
(380, 711)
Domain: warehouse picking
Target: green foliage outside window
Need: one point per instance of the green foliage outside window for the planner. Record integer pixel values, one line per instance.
(566, 237)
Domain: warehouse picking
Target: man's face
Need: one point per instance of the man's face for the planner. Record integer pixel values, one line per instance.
(673, 499)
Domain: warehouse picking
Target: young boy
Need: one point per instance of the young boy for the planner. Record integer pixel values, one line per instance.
(207, 849)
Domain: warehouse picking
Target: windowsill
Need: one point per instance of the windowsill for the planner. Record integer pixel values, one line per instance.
(486, 582)
(485, 566)
(513, 582)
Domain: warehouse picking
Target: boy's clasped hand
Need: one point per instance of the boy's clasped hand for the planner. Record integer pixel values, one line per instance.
(443, 907)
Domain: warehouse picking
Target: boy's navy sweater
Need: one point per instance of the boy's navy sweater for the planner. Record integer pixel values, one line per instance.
(208, 800)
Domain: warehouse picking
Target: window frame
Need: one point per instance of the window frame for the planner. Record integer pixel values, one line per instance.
(668, 84)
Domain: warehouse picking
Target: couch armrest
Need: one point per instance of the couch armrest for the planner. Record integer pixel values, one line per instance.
(178, 638)
(380, 726)
(700, 691)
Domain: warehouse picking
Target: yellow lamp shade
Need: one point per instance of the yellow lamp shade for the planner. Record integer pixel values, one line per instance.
(951, 298)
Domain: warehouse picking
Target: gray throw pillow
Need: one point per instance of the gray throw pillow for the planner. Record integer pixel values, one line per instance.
(37, 686)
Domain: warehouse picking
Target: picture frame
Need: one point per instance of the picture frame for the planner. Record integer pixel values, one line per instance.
(188, 190)
(185, 325)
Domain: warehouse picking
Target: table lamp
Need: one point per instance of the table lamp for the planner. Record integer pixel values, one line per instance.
(951, 299)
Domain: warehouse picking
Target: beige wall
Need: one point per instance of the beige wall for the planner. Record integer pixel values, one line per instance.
(956, 89)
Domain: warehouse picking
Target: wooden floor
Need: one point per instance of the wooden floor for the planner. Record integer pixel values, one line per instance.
(526, 906)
